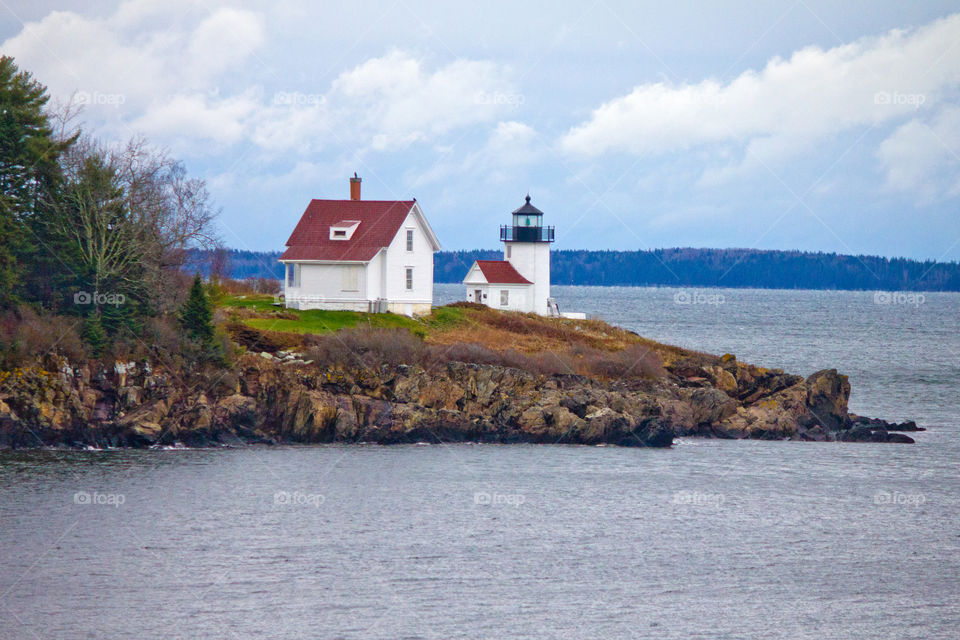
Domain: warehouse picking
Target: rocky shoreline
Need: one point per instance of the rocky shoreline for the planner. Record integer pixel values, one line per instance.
(282, 398)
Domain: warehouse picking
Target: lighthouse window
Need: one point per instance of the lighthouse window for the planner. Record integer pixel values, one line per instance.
(504, 297)
(508, 251)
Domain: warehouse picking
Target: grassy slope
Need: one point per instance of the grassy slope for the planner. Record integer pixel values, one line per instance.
(447, 325)
(262, 314)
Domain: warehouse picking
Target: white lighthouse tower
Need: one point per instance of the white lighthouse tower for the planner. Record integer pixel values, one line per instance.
(526, 245)
(521, 281)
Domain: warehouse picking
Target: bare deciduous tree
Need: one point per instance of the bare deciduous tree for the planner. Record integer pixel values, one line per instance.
(165, 213)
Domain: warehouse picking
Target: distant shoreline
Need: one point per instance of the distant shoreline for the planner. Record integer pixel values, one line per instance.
(680, 267)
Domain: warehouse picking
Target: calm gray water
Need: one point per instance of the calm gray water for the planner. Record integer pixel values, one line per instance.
(710, 539)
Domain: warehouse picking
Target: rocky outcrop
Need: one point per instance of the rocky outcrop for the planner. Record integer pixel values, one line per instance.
(284, 398)
(775, 405)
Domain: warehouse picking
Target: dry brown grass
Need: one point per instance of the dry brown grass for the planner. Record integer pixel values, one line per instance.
(530, 333)
(361, 347)
(476, 333)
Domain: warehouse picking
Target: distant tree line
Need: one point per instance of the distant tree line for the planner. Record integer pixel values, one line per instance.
(680, 267)
(752, 268)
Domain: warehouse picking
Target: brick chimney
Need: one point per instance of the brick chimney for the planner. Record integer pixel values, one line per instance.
(355, 186)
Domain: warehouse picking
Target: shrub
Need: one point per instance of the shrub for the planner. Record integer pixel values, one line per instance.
(25, 335)
(163, 337)
(636, 361)
(262, 339)
(463, 304)
(230, 286)
(364, 347)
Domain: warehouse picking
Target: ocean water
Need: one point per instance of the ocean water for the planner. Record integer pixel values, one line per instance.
(709, 539)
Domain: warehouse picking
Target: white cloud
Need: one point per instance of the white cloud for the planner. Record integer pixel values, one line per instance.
(400, 102)
(149, 68)
(195, 117)
(178, 77)
(222, 41)
(138, 51)
(786, 106)
(924, 157)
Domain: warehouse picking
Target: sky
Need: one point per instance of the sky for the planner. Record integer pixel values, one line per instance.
(812, 125)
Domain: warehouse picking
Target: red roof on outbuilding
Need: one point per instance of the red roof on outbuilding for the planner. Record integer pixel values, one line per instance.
(500, 272)
(379, 222)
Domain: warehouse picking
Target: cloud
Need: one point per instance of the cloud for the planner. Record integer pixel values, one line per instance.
(924, 156)
(179, 77)
(223, 40)
(194, 117)
(399, 102)
(511, 143)
(139, 51)
(785, 107)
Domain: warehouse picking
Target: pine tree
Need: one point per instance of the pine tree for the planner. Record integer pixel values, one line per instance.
(93, 334)
(29, 173)
(196, 315)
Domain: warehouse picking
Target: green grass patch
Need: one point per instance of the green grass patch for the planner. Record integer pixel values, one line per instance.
(445, 317)
(323, 321)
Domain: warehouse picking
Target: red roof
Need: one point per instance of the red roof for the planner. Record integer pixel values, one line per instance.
(500, 272)
(379, 222)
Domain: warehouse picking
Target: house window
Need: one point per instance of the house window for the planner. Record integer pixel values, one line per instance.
(409, 278)
(339, 233)
(293, 275)
(350, 279)
(409, 239)
(504, 297)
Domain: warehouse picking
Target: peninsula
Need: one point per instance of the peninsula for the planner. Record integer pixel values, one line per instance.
(463, 373)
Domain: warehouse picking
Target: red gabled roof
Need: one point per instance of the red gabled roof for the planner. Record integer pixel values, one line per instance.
(379, 222)
(500, 272)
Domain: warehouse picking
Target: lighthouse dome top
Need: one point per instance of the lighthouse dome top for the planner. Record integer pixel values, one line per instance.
(527, 209)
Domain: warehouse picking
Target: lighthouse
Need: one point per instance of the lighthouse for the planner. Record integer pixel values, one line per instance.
(521, 281)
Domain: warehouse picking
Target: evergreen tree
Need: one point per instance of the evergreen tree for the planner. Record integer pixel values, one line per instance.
(196, 315)
(93, 334)
(29, 174)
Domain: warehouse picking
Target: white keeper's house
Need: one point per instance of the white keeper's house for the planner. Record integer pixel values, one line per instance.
(361, 255)
(521, 281)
